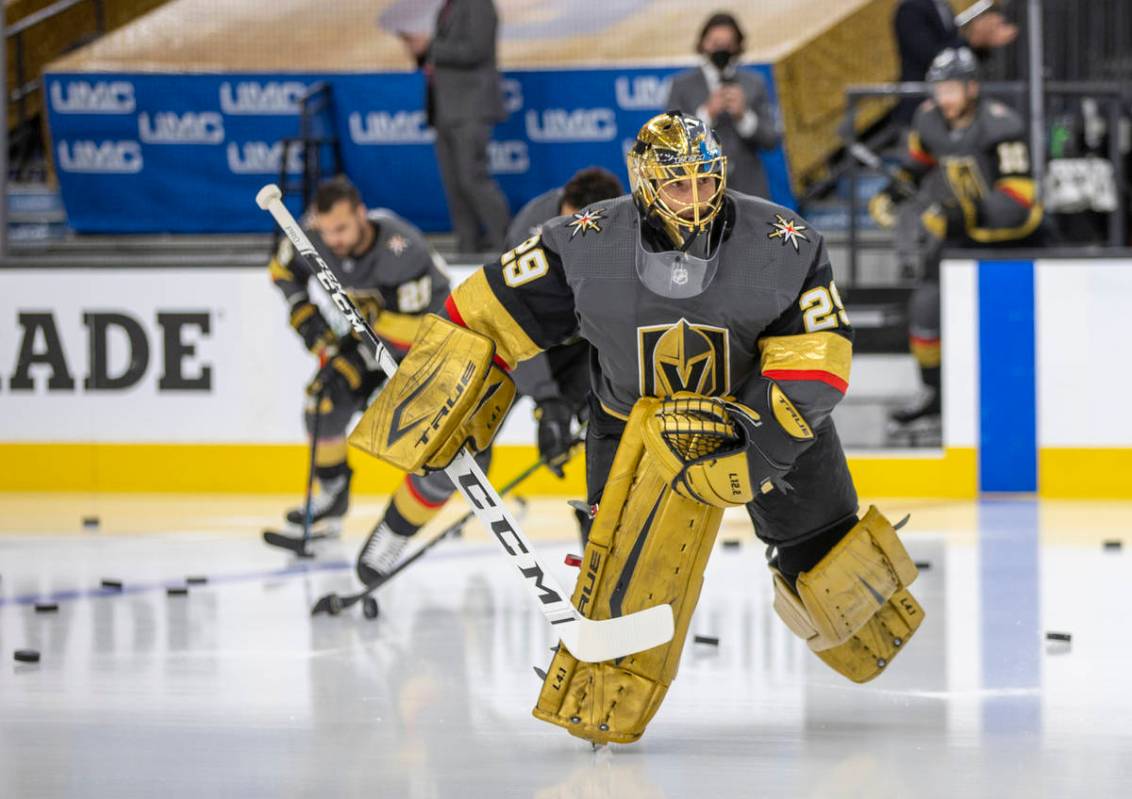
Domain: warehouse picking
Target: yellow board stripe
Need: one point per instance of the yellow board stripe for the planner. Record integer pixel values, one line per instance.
(282, 469)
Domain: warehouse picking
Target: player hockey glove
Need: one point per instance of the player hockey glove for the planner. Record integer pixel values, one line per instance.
(341, 376)
(882, 206)
(312, 328)
(944, 220)
(554, 417)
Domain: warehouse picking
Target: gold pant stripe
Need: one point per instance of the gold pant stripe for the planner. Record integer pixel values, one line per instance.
(927, 352)
(411, 507)
(480, 310)
(330, 452)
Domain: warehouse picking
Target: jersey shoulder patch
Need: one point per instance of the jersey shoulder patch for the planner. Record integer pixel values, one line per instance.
(769, 222)
(588, 220)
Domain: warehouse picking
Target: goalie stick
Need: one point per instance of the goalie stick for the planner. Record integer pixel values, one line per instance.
(298, 544)
(589, 640)
(335, 603)
(904, 187)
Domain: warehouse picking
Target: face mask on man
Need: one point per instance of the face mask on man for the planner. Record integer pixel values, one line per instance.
(721, 58)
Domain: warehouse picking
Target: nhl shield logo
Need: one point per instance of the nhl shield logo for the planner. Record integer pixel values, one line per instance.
(683, 357)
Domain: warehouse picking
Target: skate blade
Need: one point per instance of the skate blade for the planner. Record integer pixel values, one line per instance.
(330, 528)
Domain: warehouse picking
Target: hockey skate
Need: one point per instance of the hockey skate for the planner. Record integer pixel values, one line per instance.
(919, 424)
(327, 509)
(326, 513)
(379, 554)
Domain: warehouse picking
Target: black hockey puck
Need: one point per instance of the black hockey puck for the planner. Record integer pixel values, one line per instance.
(27, 656)
(1059, 637)
(1113, 545)
(114, 584)
(923, 565)
(731, 543)
(710, 640)
(46, 607)
(91, 522)
(177, 590)
(369, 608)
(196, 580)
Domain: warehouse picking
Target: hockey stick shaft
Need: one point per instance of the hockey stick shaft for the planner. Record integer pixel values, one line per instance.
(587, 639)
(504, 490)
(308, 510)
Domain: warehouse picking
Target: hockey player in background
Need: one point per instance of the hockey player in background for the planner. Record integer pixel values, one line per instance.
(389, 271)
(720, 349)
(968, 166)
(556, 380)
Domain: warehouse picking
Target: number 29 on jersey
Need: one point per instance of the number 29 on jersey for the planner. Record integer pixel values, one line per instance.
(525, 263)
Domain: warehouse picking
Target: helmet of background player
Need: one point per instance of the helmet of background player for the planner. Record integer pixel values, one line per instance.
(954, 76)
(954, 63)
(677, 174)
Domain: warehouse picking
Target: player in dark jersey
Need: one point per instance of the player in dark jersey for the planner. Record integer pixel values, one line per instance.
(388, 269)
(968, 162)
(720, 348)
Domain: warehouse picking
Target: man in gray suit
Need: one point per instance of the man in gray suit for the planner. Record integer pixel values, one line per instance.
(733, 102)
(464, 103)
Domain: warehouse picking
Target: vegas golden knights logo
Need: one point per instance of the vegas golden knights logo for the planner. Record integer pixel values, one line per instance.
(965, 178)
(683, 357)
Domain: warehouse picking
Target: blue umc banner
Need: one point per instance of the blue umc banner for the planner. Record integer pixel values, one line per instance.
(139, 153)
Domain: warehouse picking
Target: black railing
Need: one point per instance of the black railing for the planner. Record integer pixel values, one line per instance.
(25, 86)
(317, 135)
(1084, 39)
(1112, 93)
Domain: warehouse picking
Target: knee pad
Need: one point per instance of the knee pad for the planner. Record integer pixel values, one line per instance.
(853, 608)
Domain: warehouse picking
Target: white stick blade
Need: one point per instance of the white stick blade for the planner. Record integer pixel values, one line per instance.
(267, 195)
(593, 641)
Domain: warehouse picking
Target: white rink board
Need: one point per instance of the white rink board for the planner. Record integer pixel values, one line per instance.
(256, 365)
(1082, 341)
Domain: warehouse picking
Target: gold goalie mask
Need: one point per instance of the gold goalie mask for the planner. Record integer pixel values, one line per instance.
(677, 173)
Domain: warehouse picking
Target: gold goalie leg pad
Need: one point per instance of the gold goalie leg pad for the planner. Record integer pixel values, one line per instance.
(853, 608)
(648, 546)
